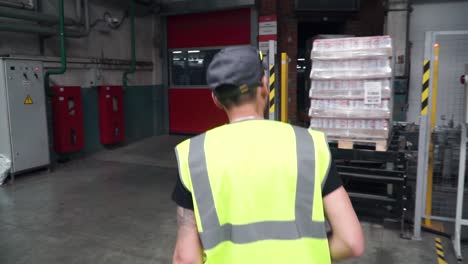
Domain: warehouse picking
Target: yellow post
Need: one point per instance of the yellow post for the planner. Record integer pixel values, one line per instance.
(430, 170)
(284, 87)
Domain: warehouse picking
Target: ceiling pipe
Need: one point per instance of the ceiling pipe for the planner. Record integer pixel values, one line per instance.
(32, 16)
(83, 4)
(21, 5)
(27, 28)
(35, 29)
(78, 9)
(49, 31)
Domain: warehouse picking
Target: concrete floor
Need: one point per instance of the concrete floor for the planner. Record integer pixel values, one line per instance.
(114, 207)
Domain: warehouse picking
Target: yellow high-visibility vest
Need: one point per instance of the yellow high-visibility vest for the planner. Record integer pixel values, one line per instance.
(257, 192)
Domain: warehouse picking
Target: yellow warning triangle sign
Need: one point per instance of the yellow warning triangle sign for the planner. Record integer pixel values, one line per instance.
(28, 100)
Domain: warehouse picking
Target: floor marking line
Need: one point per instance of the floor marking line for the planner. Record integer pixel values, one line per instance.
(440, 251)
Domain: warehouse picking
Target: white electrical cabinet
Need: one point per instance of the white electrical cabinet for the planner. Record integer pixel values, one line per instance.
(23, 122)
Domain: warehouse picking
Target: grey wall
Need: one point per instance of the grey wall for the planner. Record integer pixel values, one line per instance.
(439, 16)
(144, 99)
(114, 44)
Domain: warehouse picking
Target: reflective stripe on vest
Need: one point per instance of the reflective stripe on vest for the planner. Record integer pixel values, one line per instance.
(302, 227)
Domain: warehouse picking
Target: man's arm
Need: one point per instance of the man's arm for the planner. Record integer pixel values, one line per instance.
(188, 249)
(346, 240)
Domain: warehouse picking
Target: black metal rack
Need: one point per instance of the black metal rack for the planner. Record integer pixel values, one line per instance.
(377, 182)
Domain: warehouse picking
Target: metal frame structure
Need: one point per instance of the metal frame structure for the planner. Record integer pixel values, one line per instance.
(273, 113)
(377, 181)
(459, 221)
(433, 119)
(423, 149)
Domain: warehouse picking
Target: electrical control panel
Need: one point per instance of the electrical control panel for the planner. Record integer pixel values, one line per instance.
(23, 122)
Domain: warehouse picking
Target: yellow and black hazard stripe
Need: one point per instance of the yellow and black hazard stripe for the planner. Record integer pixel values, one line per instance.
(440, 251)
(425, 87)
(272, 88)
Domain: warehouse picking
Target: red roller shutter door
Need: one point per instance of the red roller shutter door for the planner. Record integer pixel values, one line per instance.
(191, 110)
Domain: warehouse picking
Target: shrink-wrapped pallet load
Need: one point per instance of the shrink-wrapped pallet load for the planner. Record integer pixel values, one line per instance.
(351, 87)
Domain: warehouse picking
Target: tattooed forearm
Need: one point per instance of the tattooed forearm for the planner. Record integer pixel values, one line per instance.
(188, 247)
(185, 218)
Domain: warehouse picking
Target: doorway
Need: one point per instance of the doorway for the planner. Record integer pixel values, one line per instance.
(307, 32)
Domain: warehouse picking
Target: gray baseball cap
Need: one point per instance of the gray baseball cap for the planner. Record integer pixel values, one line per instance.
(238, 66)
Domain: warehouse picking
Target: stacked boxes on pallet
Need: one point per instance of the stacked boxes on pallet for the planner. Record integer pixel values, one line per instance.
(351, 91)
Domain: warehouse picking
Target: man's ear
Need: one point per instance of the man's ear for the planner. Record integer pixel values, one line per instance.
(264, 87)
(217, 103)
(265, 81)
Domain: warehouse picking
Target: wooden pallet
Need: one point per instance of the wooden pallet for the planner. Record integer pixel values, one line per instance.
(351, 143)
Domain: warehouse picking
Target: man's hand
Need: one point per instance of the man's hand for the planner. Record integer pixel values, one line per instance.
(346, 240)
(188, 248)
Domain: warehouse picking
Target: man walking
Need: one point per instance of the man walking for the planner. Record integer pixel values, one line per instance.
(258, 191)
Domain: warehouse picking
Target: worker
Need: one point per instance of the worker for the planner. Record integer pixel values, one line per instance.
(258, 191)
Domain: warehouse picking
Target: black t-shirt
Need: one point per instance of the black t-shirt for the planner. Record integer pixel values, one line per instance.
(183, 197)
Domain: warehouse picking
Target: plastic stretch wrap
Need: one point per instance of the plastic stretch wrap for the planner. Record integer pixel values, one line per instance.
(352, 128)
(343, 48)
(351, 91)
(349, 109)
(361, 54)
(351, 69)
(346, 89)
(349, 75)
(351, 65)
(336, 123)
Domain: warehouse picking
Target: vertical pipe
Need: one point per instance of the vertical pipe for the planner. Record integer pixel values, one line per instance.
(83, 18)
(132, 42)
(165, 74)
(277, 93)
(63, 54)
(430, 170)
(78, 9)
(460, 192)
(284, 87)
(461, 176)
(253, 26)
(86, 17)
